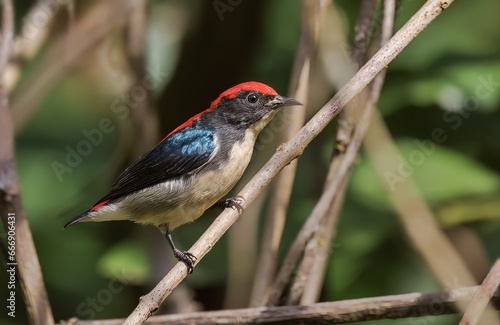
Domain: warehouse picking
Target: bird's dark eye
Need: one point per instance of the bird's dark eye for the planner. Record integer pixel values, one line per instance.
(252, 98)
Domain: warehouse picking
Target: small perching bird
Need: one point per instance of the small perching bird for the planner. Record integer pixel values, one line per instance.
(194, 166)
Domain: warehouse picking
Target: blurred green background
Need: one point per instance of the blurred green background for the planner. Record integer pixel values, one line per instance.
(448, 78)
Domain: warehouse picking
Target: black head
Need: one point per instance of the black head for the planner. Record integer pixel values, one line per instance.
(249, 103)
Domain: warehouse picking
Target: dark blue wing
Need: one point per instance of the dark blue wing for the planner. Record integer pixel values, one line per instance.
(181, 153)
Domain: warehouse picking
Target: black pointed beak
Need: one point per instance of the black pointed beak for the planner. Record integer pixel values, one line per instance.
(280, 101)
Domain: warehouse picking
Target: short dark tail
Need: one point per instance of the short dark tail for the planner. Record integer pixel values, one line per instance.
(77, 218)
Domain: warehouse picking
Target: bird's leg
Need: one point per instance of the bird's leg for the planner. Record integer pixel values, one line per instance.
(186, 257)
(233, 203)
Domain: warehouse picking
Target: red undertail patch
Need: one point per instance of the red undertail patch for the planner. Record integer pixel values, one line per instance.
(98, 205)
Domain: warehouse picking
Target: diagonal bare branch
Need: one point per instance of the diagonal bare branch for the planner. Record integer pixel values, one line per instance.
(283, 184)
(289, 151)
(326, 212)
(483, 295)
(24, 262)
(315, 281)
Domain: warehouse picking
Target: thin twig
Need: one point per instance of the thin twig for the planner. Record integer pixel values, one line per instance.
(316, 255)
(25, 261)
(289, 151)
(359, 56)
(339, 312)
(338, 174)
(313, 287)
(362, 31)
(320, 210)
(283, 184)
(486, 291)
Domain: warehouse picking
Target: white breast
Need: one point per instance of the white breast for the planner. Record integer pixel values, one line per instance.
(213, 185)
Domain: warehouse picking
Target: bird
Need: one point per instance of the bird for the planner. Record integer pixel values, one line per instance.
(194, 167)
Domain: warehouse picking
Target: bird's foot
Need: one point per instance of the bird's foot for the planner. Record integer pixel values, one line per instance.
(185, 257)
(235, 203)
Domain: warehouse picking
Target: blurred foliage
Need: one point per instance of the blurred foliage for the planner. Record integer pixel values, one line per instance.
(428, 163)
(448, 79)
